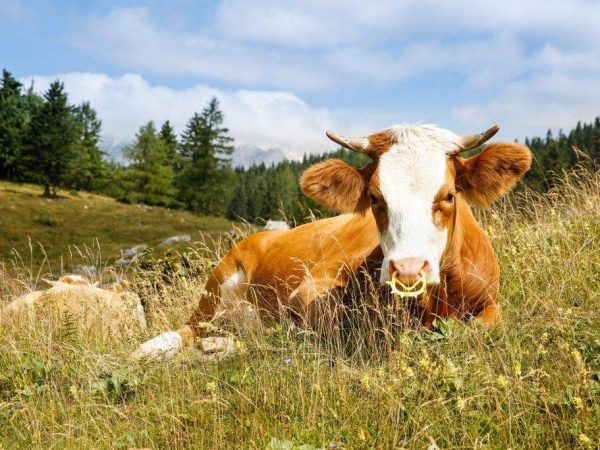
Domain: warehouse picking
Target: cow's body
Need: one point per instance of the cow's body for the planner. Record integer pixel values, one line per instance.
(417, 221)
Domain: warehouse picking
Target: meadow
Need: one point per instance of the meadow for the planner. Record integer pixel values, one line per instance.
(57, 234)
(532, 381)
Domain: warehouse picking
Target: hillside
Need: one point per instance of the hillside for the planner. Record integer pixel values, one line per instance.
(532, 381)
(82, 219)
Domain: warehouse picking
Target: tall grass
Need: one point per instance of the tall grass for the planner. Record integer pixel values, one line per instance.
(532, 381)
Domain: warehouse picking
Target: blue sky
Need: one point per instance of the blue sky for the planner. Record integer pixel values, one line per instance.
(285, 71)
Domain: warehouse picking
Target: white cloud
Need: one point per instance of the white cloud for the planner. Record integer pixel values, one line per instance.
(264, 119)
(532, 106)
(526, 64)
(314, 46)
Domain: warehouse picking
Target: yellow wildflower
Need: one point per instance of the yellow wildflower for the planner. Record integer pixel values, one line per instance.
(517, 368)
(502, 382)
(584, 440)
(365, 381)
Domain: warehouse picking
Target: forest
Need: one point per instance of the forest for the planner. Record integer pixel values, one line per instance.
(47, 140)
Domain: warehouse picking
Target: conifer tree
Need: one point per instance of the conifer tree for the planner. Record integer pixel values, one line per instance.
(206, 182)
(13, 119)
(149, 174)
(87, 169)
(168, 136)
(50, 140)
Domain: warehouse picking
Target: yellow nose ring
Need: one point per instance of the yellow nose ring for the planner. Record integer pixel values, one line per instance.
(405, 291)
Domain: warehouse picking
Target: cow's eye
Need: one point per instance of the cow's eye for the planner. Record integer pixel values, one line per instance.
(450, 197)
(373, 199)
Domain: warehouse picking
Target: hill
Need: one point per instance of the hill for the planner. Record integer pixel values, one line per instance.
(29, 223)
(532, 381)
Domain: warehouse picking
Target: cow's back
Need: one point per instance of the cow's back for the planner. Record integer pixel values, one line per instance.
(276, 262)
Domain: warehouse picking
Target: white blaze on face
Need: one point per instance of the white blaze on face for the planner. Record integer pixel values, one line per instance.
(411, 173)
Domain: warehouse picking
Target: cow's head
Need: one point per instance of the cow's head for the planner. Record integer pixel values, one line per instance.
(412, 185)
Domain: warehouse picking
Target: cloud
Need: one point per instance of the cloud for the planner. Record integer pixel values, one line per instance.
(287, 70)
(313, 46)
(264, 119)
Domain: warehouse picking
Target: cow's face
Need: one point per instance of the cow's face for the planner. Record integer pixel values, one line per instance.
(412, 186)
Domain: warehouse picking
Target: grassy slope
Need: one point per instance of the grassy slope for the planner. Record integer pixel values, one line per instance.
(82, 219)
(530, 382)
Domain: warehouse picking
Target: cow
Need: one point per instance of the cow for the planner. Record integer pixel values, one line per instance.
(410, 206)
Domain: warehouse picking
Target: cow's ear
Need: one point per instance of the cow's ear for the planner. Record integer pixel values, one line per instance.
(493, 172)
(336, 185)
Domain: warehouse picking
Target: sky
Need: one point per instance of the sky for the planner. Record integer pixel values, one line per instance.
(286, 71)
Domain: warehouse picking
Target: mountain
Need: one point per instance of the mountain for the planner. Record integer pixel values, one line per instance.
(247, 155)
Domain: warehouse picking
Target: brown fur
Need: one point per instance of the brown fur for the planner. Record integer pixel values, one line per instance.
(292, 270)
(336, 185)
(492, 173)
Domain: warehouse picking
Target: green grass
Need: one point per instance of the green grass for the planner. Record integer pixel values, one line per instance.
(530, 382)
(54, 231)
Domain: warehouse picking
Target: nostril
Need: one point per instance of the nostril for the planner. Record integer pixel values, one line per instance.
(426, 267)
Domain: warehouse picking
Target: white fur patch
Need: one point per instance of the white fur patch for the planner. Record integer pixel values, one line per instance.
(411, 173)
(234, 307)
(165, 345)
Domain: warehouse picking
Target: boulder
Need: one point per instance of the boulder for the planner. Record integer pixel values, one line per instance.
(89, 306)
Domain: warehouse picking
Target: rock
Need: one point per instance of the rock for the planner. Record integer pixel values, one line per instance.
(131, 255)
(88, 305)
(175, 239)
(86, 270)
(274, 225)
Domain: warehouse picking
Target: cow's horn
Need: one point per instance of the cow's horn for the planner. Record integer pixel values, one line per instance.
(466, 143)
(359, 144)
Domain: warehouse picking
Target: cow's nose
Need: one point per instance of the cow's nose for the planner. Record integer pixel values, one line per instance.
(408, 269)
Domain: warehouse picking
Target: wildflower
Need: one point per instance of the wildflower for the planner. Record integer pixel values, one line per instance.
(576, 356)
(461, 403)
(288, 361)
(542, 350)
(578, 403)
(425, 362)
(332, 445)
(211, 386)
(73, 391)
(362, 436)
(584, 440)
(517, 368)
(240, 347)
(502, 382)
(544, 337)
(365, 381)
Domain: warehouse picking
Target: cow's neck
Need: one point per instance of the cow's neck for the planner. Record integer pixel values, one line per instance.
(469, 278)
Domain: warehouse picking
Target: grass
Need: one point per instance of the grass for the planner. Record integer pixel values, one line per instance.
(531, 382)
(55, 231)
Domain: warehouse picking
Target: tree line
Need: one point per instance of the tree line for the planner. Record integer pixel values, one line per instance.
(47, 140)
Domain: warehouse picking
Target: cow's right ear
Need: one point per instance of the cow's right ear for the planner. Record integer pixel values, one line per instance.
(336, 185)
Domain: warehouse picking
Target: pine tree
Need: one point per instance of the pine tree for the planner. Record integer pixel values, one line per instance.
(168, 136)
(52, 134)
(149, 174)
(87, 169)
(206, 182)
(13, 120)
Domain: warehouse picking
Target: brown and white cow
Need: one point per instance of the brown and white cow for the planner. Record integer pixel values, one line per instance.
(410, 207)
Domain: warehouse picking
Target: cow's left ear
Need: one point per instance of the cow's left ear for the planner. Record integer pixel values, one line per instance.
(492, 173)
(336, 185)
